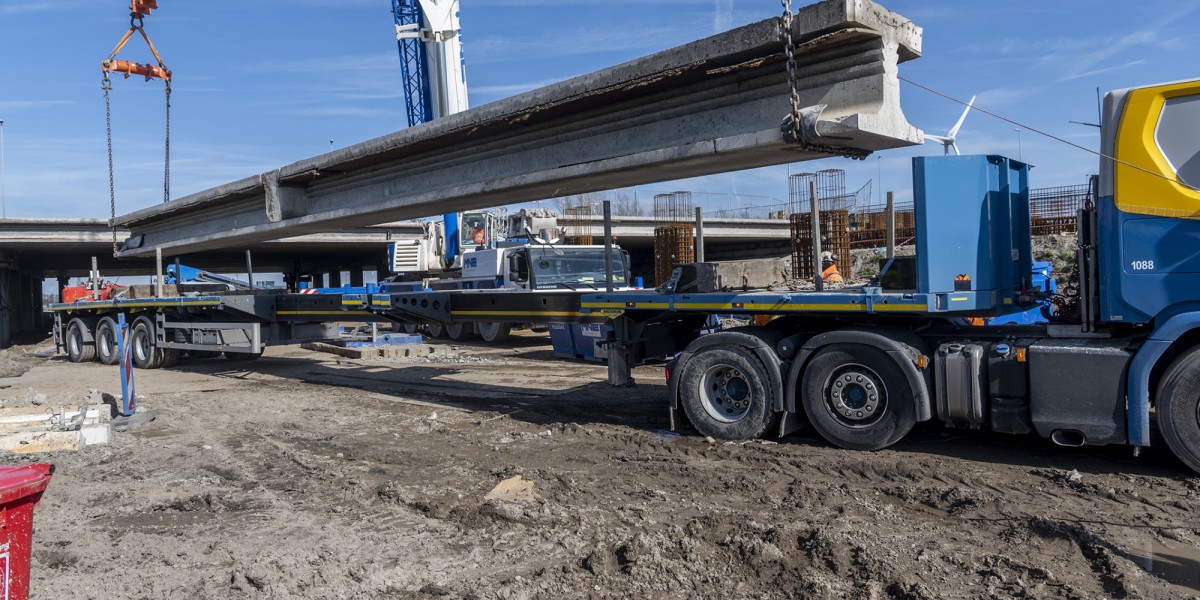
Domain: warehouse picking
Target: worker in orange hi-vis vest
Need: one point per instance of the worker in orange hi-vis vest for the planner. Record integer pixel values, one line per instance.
(829, 270)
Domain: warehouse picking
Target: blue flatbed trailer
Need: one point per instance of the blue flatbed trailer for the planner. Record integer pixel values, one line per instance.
(239, 325)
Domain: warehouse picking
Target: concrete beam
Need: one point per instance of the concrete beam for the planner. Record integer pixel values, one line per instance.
(710, 106)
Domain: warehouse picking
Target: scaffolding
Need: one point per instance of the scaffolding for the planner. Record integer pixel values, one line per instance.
(577, 222)
(835, 206)
(1055, 210)
(674, 238)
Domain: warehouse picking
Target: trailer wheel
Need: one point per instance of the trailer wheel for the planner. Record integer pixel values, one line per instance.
(106, 342)
(436, 330)
(493, 332)
(724, 393)
(411, 328)
(242, 356)
(144, 353)
(78, 350)
(460, 331)
(857, 397)
(1178, 408)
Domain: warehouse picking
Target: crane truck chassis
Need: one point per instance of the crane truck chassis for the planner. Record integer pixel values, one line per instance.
(862, 365)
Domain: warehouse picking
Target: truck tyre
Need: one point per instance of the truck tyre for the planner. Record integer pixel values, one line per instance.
(79, 350)
(857, 397)
(107, 349)
(202, 354)
(170, 357)
(493, 332)
(724, 393)
(460, 331)
(144, 353)
(242, 356)
(1178, 408)
(436, 330)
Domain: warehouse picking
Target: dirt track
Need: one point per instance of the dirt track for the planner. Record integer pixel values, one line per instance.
(306, 475)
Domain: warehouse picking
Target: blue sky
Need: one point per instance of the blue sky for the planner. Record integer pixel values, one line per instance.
(260, 84)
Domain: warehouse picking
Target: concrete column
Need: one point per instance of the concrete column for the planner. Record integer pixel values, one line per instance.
(5, 300)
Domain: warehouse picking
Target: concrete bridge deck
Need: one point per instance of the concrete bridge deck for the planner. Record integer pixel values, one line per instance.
(711, 106)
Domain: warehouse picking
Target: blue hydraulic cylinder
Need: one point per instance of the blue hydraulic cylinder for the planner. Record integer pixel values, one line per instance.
(451, 222)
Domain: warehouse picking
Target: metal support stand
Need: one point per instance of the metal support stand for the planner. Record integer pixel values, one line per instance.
(816, 235)
(158, 273)
(891, 225)
(249, 270)
(619, 363)
(608, 247)
(699, 235)
(94, 276)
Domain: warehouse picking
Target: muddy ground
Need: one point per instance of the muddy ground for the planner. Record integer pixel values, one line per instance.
(304, 475)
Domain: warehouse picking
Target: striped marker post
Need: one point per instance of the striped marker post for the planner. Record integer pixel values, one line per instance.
(128, 397)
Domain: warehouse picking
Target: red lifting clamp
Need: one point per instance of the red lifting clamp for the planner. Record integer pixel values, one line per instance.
(143, 7)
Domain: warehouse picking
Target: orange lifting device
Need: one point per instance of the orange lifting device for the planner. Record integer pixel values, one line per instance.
(138, 10)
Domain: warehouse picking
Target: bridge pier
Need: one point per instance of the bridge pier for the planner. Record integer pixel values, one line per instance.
(20, 300)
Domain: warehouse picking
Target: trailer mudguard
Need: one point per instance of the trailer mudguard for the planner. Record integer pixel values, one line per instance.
(749, 340)
(902, 346)
(1138, 412)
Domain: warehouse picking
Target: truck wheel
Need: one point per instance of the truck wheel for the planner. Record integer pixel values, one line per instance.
(202, 354)
(494, 332)
(170, 357)
(460, 331)
(77, 349)
(242, 356)
(724, 393)
(1178, 408)
(436, 330)
(144, 353)
(106, 342)
(857, 397)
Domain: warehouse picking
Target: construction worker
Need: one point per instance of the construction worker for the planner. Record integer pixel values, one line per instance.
(477, 235)
(829, 270)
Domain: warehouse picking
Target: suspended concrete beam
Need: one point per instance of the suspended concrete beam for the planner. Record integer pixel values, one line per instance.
(711, 106)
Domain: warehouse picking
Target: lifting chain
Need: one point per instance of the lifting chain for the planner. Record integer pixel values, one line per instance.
(106, 85)
(794, 124)
(167, 150)
(139, 9)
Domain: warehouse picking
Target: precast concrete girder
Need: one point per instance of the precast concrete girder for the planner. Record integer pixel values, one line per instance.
(711, 106)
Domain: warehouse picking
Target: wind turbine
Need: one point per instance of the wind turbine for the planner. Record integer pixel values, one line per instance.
(947, 141)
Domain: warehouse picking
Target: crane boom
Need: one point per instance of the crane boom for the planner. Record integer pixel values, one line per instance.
(427, 32)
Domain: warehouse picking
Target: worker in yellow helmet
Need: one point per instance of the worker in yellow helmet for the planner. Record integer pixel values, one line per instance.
(829, 270)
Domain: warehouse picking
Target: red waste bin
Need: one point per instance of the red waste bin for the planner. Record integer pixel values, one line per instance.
(20, 490)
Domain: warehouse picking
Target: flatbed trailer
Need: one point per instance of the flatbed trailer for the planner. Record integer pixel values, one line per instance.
(239, 325)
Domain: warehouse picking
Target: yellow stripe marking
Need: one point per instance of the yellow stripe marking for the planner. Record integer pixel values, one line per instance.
(758, 307)
(520, 313)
